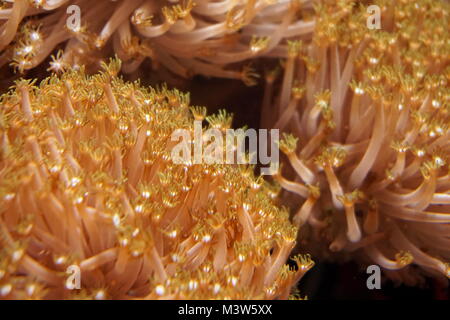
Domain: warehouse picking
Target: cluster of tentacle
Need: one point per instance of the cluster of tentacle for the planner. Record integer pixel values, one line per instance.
(87, 180)
(186, 37)
(366, 116)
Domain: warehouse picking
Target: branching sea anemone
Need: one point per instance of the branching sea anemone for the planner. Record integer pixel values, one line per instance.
(368, 115)
(187, 37)
(87, 179)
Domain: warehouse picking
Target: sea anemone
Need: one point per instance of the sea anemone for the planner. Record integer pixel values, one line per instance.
(366, 115)
(187, 37)
(87, 181)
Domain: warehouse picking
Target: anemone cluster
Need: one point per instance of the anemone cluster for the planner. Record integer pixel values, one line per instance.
(186, 37)
(86, 179)
(366, 115)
